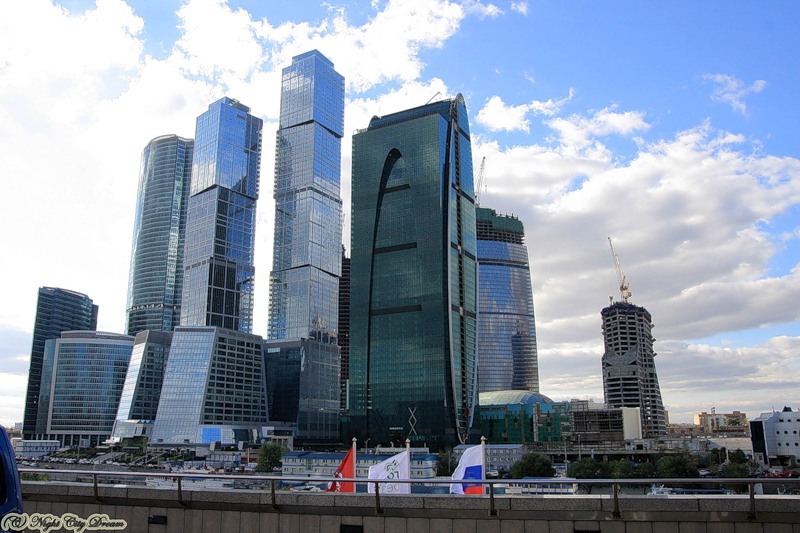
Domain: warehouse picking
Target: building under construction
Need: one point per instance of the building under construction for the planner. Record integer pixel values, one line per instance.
(629, 369)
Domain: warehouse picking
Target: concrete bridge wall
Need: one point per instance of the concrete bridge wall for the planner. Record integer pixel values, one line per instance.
(158, 510)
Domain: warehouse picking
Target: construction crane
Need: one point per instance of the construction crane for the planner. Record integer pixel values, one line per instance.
(479, 183)
(624, 285)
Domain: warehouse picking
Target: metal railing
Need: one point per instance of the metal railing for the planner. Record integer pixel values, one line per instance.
(541, 485)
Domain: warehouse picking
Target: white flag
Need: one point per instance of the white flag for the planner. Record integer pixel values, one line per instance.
(395, 467)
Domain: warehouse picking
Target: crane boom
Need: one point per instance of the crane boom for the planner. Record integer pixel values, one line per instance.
(624, 284)
(479, 182)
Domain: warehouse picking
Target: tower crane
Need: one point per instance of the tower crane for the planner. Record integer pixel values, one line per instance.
(479, 183)
(624, 284)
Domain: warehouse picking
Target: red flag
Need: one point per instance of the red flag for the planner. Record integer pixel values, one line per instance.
(347, 469)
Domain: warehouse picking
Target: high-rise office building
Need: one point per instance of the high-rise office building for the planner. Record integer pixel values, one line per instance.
(507, 357)
(629, 370)
(159, 229)
(302, 357)
(220, 229)
(344, 329)
(304, 282)
(57, 310)
(413, 277)
(82, 379)
(142, 390)
(213, 385)
(213, 391)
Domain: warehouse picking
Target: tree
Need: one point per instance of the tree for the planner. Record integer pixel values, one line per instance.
(533, 465)
(621, 470)
(587, 469)
(737, 457)
(676, 466)
(645, 470)
(445, 464)
(269, 456)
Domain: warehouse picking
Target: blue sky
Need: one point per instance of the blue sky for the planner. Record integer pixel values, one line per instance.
(671, 127)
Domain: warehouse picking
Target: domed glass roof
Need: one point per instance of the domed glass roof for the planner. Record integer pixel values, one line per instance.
(506, 397)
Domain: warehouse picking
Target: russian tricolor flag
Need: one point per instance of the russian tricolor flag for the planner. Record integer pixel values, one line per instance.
(470, 466)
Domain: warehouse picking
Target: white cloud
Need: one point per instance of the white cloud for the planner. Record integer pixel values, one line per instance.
(520, 7)
(475, 7)
(732, 91)
(497, 116)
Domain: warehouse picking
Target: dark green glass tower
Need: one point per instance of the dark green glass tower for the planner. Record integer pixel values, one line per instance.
(413, 279)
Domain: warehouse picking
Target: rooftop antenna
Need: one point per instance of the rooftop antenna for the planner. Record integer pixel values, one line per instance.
(624, 285)
(434, 96)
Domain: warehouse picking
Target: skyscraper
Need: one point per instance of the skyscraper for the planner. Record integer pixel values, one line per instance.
(57, 310)
(344, 329)
(507, 357)
(304, 282)
(301, 354)
(159, 229)
(213, 387)
(413, 365)
(220, 229)
(84, 372)
(629, 370)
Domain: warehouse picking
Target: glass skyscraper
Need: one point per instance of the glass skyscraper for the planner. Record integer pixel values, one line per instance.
(156, 274)
(57, 310)
(82, 384)
(629, 369)
(507, 356)
(302, 357)
(413, 277)
(220, 229)
(306, 267)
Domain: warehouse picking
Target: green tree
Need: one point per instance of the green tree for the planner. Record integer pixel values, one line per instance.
(533, 465)
(621, 470)
(734, 470)
(737, 457)
(644, 470)
(587, 469)
(677, 466)
(269, 456)
(445, 465)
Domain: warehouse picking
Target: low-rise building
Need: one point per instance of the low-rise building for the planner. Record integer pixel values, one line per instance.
(324, 464)
(776, 437)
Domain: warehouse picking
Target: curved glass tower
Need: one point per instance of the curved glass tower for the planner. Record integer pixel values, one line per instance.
(413, 367)
(507, 357)
(155, 282)
(220, 229)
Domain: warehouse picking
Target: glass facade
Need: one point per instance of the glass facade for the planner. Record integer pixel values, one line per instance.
(507, 357)
(85, 379)
(57, 310)
(303, 387)
(213, 390)
(220, 230)
(304, 282)
(413, 309)
(140, 394)
(629, 369)
(155, 282)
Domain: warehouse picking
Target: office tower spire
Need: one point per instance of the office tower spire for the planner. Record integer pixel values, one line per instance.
(220, 230)
(156, 274)
(507, 357)
(308, 206)
(413, 365)
(629, 370)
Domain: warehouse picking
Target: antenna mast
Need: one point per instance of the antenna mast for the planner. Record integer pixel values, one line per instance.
(624, 284)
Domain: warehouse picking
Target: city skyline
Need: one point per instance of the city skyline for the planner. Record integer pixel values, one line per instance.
(691, 167)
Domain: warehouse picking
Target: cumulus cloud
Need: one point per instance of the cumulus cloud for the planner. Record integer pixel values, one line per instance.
(520, 7)
(475, 7)
(497, 116)
(732, 91)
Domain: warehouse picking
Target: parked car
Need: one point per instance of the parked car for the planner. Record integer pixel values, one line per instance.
(10, 491)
